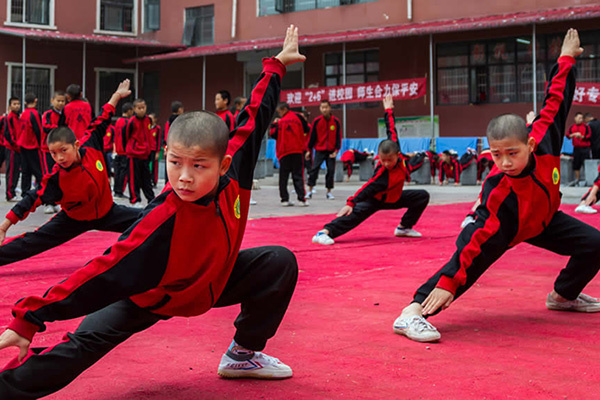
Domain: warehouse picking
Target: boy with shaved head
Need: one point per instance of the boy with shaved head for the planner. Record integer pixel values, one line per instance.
(181, 258)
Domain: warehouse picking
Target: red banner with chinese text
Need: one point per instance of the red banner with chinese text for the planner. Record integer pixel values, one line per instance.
(587, 94)
(406, 89)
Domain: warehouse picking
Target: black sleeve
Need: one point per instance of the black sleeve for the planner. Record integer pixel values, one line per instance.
(35, 126)
(377, 184)
(313, 134)
(48, 193)
(338, 137)
(305, 127)
(98, 128)
(7, 132)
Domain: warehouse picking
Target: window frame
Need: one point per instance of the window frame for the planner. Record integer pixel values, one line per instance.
(143, 17)
(51, 21)
(11, 64)
(134, 23)
(185, 23)
(317, 7)
(99, 70)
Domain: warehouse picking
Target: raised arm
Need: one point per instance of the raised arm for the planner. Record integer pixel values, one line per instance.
(548, 129)
(390, 123)
(254, 119)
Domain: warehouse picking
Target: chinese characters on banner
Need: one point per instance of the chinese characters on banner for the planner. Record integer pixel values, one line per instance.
(406, 89)
(587, 93)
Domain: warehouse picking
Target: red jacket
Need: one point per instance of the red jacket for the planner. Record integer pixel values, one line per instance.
(227, 116)
(157, 262)
(82, 190)
(136, 137)
(109, 139)
(585, 130)
(154, 138)
(326, 134)
(515, 209)
(172, 119)
(12, 131)
(289, 132)
(50, 119)
(119, 139)
(31, 129)
(351, 156)
(78, 115)
(450, 169)
(386, 184)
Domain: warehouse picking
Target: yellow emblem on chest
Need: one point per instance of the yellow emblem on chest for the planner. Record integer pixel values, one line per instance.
(99, 166)
(236, 208)
(555, 176)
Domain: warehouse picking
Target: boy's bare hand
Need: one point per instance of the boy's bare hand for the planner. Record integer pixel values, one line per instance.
(530, 117)
(290, 53)
(436, 299)
(571, 45)
(346, 210)
(388, 102)
(11, 338)
(123, 89)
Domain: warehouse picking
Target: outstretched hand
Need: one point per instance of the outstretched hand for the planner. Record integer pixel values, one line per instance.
(530, 117)
(388, 102)
(123, 89)
(290, 53)
(11, 338)
(436, 299)
(571, 45)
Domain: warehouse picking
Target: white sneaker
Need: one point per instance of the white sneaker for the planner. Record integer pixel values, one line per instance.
(49, 209)
(416, 328)
(287, 203)
(583, 303)
(253, 202)
(322, 238)
(260, 366)
(406, 232)
(308, 195)
(57, 208)
(330, 196)
(585, 209)
(303, 203)
(469, 219)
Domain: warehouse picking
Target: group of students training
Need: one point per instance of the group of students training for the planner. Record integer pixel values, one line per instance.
(180, 256)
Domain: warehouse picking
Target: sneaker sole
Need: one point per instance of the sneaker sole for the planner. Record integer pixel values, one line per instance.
(279, 375)
(408, 236)
(555, 308)
(401, 332)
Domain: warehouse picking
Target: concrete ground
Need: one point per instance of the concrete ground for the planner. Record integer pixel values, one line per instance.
(267, 197)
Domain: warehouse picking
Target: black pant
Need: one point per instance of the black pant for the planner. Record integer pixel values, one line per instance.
(294, 164)
(415, 200)
(579, 155)
(13, 170)
(121, 170)
(47, 163)
(139, 177)
(108, 162)
(564, 235)
(153, 167)
(321, 156)
(31, 164)
(62, 228)
(2, 155)
(262, 281)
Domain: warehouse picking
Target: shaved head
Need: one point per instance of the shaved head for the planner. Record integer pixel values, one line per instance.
(506, 125)
(200, 128)
(388, 147)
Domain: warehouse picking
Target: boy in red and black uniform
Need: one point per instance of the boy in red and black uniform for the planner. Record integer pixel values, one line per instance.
(155, 140)
(519, 203)
(108, 145)
(53, 118)
(382, 192)
(581, 134)
(326, 140)
(176, 110)
(78, 112)
(590, 198)
(484, 162)
(351, 156)
(12, 130)
(156, 269)
(449, 167)
(289, 130)
(121, 161)
(222, 100)
(79, 183)
(138, 150)
(30, 142)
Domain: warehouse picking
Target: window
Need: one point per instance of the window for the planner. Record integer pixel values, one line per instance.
(106, 82)
(151, 86)
(271, 7)
(361, 67)
(151, 15)
(117, 16)
(588, 64)
(199, 26)
(39, 79)
(31, 12)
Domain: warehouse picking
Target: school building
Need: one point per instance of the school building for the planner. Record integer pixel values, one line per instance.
(477, 59)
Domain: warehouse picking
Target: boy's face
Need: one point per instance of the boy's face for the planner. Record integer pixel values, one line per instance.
(325, 109)
(511, 155)
(152, 119)
(445, 157)
(180, 111)
(388, 161)
(58, 102)
(220, 104)
(194, 171)
(129, 113)
(579, 119)
(64, 154)
(281, 112)
(140, 109)
(15, 105)
(240, 105)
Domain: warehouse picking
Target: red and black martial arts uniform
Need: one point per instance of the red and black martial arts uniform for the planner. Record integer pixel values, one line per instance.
(582, 149)
(121, 161)
(524, 208)
(289, 132)
(382, 192)
(484, 161)
(325, 138)
(138, 150)
(107, 148)
(450, 169)
(227, 116)
(351, 156)
(156, 270)
(12, 130)
(155, 141)
(83, 192)
(30, 142)
(50, 119)
(2, 140)
(78, 115)
(596, 183)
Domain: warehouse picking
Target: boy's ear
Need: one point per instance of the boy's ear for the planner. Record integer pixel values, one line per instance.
(225, 164)
(531, 143)
(77, 144)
